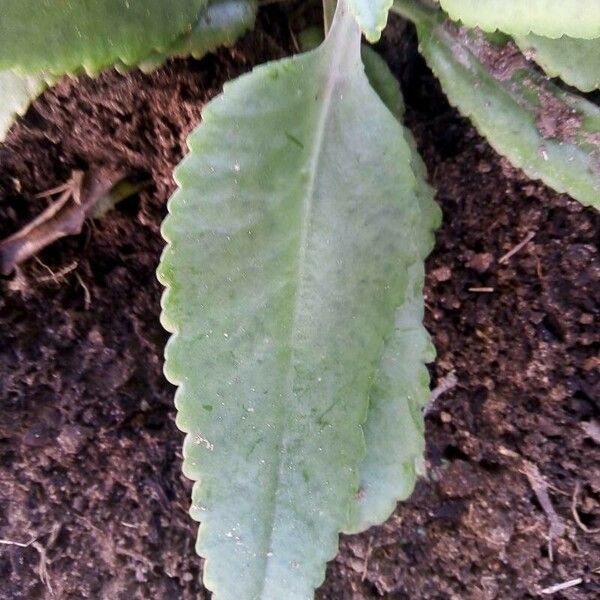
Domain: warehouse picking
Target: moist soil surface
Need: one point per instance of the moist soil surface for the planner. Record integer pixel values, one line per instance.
(89, 453)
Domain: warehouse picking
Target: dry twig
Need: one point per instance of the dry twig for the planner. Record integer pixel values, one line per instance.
(19, 544)
(84, 196)
(540, 488)
(516, 249)
(559, 587)
(565, 585)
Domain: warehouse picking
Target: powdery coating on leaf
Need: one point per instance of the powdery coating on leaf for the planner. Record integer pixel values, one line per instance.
(551, 18)
(576, 62)
(66, 36)
(283, 281)
(516, 108)
(371, 15)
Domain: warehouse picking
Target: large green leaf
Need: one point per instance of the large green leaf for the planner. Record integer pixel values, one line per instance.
(394, 429)
(551, 18)
(576, 62)
(66, 35)
(371, 16)
(283, 272)
(550, 133)
(16, 93)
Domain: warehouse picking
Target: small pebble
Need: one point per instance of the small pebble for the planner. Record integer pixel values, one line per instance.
(442, 273)
(481, 262)
(72, 439)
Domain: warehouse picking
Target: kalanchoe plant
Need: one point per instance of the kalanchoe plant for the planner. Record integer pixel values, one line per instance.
(296, 242)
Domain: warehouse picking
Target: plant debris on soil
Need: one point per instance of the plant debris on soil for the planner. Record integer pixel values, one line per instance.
(92, 500)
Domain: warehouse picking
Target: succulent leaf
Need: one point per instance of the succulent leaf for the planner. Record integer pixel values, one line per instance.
(550, 133)
(220, 23)
(284, 270)
(61, 36)
(383, 81)
(551, 18)
(575, 61)
(394, 429)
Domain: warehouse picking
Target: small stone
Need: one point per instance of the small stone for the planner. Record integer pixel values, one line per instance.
(442, 273)
(79, 503)
(37, 436)
(445, 417)
(72, 439)
(481, 262)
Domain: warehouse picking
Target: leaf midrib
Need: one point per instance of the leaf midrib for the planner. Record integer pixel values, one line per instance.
(339, 44)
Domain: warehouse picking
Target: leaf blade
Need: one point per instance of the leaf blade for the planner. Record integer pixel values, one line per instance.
(220, 23)
(394, 429)
(576, 18)
(575, 61)
(550, 133)
(63, 37)
(383, 82)
(314, 313)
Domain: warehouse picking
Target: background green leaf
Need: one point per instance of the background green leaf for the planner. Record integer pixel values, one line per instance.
(550, 133)
(382, 81)
(552, 18)
(64, 36)
(283, 279)
(220, 23)
(576, 62)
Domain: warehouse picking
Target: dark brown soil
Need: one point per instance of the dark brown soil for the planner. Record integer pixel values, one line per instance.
(89, 453)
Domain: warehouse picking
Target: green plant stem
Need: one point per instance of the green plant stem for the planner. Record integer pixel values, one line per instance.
(328, 13)
(413, 10)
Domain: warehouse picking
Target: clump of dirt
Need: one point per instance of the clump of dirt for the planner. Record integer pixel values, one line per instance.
(557, 120)
(500, 60)
(89, 453)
